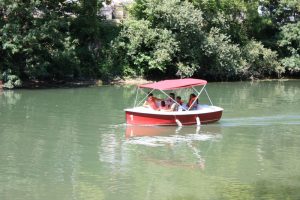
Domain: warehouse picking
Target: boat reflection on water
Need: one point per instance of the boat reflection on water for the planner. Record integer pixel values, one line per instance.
(196, 140)
(142, 131)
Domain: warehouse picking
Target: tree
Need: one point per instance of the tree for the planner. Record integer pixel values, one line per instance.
(170, 35)
(145, 48)
(290, 42)
(35, 39)
(223, 59)
(212, 45)
(86, 29)
(260, 61)
(226, 15)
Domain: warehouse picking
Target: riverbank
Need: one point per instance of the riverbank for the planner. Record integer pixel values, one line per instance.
(77, 83)
(130, 81)
(98, 82)
(59, 84)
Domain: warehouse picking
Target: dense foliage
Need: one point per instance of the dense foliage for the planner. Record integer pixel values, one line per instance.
(49, 40)
(219, 40)
(36, 40)
(214, 39)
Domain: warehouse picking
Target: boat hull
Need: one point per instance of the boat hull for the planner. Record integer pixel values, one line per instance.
(189, 118)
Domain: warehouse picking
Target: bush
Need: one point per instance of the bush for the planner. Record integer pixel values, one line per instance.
(260, 61)
(223, 59)
(290, 42)
(10, 81)
(144, 48)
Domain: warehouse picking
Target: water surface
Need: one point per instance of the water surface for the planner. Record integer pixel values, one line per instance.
(74, 144)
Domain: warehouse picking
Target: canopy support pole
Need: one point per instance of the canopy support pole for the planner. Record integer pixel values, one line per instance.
(208, 98)
(195, 90)
(145, 97)
(197, 96)
(136, 95)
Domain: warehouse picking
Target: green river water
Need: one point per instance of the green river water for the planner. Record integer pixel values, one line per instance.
(71, 144)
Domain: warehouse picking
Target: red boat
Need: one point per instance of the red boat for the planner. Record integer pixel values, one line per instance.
(202, 114)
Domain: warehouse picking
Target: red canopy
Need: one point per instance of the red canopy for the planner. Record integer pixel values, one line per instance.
(174, 84)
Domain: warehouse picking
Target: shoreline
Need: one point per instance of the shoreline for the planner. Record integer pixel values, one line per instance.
(76, 83)
(99, 82)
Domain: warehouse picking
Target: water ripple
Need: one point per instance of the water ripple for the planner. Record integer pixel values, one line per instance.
(156, 141)
(262, 120)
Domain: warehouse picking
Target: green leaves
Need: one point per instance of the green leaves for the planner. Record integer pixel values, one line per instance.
(185, 70)
(10, 81)
(50, 39)
(162, 35)
(290, 42)
(176, 37)
(261, 61)
(225, 57)
(35, 39)
(146, 47)
(220, 40)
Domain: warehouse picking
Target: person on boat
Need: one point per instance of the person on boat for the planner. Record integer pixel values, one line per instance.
(193, 102)
(179, 101)
(152, 102)
(170, 100)
(181, 105)
(176, 106)
(163, 106)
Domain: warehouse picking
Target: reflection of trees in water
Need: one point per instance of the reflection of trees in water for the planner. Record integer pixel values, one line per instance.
(9, 97)
(256, 90)
(265, 189)
(110, 151)
(260, 98)
(39, 142)
(264, 102)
